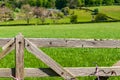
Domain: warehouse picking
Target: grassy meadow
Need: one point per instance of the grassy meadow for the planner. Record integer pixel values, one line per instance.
(67, 57)
(95, 30)
(112, 11)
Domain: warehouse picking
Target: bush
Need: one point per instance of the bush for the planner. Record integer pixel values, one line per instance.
(73, 19)
(95, 11)
(101, 17)
(17, 10)
(66, 11)
(60, 15)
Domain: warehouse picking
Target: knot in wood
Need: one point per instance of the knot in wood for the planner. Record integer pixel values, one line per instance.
(10, 45)
(28, 45)
(19, 42)
(62, 73)
(50, 43)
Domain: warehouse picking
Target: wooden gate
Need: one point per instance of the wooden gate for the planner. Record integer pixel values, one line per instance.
(31, 44)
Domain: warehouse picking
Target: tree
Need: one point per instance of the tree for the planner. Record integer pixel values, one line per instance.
(26, 9)
(100, 2)
(90, 2)
(5, 13)
(80, 3)
(39, 3)
(41, 13)
(51, 3)
(66, 11)
(117, 1)
(108, 2)
(55, 15)
(32, 2)
(75, 3)
(19, 3)
(61, 4)
(45, 2)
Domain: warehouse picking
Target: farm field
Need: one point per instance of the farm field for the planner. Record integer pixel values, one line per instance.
(111, 11)
(67, 57)
(95, 30)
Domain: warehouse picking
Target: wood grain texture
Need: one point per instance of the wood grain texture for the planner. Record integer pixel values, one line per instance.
(60, 42)
(77, 72)
(81, 43)
(45, 72)
(88, 71)
(48, 61)
(5, 72)
(4, 41)
(9, 43)
(19, 57)
(7, 48)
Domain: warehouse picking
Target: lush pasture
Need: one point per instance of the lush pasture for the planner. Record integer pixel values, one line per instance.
(67, 57)
(83, 15)
(112, 11)
(101, 30)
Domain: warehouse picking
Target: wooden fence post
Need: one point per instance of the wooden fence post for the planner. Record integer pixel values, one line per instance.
(19, 74)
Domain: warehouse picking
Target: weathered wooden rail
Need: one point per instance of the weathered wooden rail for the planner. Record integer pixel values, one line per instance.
(31, 44)
(59, 42)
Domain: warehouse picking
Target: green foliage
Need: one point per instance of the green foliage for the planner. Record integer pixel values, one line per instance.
(6, 14)
(108, 2)
(17, 10)
(73, 18)
(32, 2)
(26, 9)
(101, 17)
(95, 11)
(59, 4)
(60, 15)
(66, 11)
(117, 2)
(99, 2)
(80, 3)
(39, 3)
(51, 4)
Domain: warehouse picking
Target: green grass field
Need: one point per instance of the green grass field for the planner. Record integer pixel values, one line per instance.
(83, 15)
(112, 11)
(67, 57)
(96, 30)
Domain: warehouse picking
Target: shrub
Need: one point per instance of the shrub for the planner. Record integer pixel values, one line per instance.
(95, 11)
(17, 10)
(101, 17)
(66, 11)
(73, 19)
(6, 14)
(60, 15)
